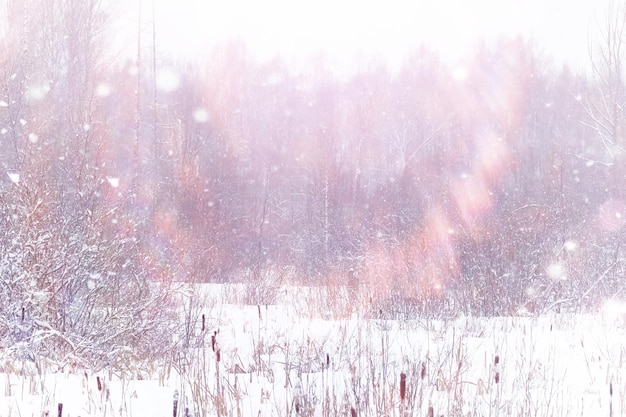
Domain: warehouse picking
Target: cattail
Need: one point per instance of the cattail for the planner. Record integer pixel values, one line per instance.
(496, 362)
(352, 412)
(175, 405)
(611, 399)
(431, 411)
(423, 371)
(217, 346)
(203, 323)
(60, 410)
(402, 386)
(99, 382)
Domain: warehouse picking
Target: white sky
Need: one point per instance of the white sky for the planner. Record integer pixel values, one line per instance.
(344, 29)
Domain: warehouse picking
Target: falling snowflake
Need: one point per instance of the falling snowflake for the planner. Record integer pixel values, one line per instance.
(103, 90)
(167, 80)
(201, 116)
(113, 181)
(556, 271)
(14, 177)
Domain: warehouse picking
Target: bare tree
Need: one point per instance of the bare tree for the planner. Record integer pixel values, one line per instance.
(78, 289)
(606, 106)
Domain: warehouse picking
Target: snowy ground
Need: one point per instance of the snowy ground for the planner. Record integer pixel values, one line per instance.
(287, 360)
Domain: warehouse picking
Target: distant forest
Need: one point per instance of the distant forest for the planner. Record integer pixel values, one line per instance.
(488, 187)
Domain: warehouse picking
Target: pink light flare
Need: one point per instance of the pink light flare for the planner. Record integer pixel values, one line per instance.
(474, 192)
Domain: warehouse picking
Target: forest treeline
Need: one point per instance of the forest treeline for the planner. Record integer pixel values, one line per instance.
(490, 186)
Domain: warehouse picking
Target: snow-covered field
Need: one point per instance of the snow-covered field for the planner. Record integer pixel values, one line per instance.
(292, 359)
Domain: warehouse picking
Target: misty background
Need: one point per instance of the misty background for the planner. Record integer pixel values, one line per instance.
(491, 185)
